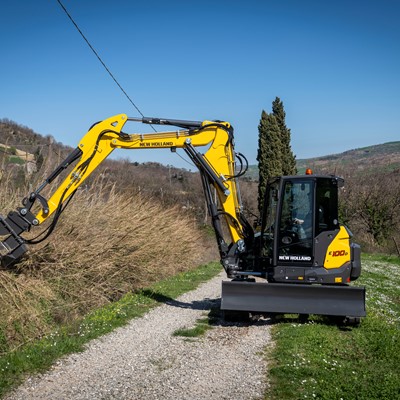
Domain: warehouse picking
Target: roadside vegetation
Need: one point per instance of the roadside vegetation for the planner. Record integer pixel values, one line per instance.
(321, 360)
(107, 244)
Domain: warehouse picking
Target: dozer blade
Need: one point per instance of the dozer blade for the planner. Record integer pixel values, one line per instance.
(283, 298)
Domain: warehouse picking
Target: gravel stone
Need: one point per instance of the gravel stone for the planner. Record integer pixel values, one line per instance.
(143, 360)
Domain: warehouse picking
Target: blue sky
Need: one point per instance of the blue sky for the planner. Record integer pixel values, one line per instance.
(334, 64)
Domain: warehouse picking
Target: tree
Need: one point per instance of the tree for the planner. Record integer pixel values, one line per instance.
(288, 158)
(39, 159)
(269, 155)
(275, 156)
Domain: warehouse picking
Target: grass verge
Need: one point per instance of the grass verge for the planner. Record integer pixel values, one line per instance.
(324, 361)
(40, 355)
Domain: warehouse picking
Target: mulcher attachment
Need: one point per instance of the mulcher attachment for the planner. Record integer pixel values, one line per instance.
(12, 247)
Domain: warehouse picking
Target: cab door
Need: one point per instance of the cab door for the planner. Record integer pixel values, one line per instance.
(296, 223)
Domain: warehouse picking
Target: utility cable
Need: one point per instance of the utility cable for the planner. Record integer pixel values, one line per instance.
(101, 61)
(108, 70)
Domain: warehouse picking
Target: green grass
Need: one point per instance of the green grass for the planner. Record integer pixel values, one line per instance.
(40, 355)
(325, 361)
(16, 160)
(201, 327)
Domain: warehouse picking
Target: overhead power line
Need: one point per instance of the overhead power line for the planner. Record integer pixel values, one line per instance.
(108, 70)
(101, 61)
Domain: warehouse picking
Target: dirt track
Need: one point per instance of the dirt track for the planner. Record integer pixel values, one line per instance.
(145, 361)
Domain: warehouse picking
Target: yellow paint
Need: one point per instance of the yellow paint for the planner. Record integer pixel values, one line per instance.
(103, 138)
(338, 252)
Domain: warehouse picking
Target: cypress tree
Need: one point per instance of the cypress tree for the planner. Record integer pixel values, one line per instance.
(288, 158)
(269, 154)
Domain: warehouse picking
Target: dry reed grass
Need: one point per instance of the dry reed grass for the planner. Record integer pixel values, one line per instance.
(105, 245)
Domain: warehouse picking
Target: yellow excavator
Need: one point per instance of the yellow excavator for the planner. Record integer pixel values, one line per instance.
(299, 260)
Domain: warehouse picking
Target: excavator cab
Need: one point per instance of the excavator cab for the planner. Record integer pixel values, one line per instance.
(303, 241)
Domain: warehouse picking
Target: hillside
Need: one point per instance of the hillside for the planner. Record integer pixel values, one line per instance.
(381, 157)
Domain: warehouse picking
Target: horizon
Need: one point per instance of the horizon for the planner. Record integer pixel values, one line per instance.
(6, 120)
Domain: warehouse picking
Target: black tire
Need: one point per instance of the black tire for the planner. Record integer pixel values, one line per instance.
(352, 321)
(303, 318)
(235, 316)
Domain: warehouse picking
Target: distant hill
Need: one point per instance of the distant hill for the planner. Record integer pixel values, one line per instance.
(380, 157)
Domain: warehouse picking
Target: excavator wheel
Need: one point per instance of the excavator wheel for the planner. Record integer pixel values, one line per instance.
(345, 320)
(352, 321)
(303, 318)
(235, 316)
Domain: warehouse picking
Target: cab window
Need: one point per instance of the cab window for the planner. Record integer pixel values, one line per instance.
(326, 205)
(296, 222)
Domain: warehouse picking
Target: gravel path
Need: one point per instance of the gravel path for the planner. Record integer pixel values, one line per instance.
(145, 361)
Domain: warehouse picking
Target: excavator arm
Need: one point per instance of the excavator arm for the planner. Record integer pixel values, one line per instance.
(216, 166)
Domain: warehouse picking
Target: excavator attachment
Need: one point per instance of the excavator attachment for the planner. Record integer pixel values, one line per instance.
(283, 298)
(12, 247)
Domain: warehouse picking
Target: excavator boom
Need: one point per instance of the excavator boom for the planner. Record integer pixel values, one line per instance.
(217, 168)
